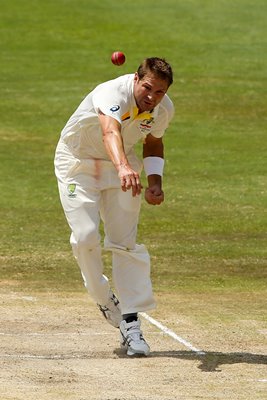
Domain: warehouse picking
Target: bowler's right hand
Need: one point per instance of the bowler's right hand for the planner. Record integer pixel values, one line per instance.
(129, 179)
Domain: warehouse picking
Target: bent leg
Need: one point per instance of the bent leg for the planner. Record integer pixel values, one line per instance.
(82, 213)
(131, 262)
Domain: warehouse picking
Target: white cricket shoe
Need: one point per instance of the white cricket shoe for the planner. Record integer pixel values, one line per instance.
(132, 338)
(112, 311)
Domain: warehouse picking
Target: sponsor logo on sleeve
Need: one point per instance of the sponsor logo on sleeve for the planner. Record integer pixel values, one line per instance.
(114, 108)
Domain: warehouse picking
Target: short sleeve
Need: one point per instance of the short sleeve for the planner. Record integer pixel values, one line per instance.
(111, 99)
(165, 115)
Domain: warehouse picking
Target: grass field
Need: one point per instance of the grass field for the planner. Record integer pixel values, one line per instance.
(208, 242)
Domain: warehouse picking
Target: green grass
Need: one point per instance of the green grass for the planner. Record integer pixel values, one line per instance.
(210, 235)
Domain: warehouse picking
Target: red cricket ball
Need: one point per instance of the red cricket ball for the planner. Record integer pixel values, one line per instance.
(118, 58)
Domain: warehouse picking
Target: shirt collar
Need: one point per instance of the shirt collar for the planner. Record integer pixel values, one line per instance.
(146, 114)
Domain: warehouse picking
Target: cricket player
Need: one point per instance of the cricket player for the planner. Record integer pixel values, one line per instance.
(98, 177)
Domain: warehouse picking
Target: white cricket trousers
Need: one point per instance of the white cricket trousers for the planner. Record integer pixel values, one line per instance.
(89, 190)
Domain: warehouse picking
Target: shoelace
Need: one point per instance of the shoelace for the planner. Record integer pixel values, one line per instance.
(134, 333)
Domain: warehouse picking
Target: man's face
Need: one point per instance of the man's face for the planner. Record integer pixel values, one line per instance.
(149, 91)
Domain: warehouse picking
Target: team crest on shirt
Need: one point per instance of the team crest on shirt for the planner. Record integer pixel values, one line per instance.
(71, 190)
(115, 108)
(146, 125)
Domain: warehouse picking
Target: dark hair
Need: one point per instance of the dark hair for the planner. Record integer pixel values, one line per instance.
(158, 66)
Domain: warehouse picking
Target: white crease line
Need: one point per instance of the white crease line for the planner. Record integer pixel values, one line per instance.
(55, 334)
(65, 334)
(65, 357)
(33, 357)
(163, 328)
(171, 333)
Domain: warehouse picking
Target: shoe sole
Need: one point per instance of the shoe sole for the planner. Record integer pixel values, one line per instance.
(106, 311)
(130, 352)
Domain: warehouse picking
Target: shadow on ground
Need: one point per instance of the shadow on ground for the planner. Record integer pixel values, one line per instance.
(209, 361)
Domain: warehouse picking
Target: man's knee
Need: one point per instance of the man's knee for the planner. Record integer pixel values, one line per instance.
(89, 240)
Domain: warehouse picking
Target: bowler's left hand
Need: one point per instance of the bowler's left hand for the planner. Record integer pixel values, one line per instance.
(154, 195)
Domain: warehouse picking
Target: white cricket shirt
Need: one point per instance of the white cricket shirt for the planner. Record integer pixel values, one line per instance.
(115, 98)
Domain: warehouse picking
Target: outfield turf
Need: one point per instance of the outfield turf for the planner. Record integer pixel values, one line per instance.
(208, 241)
(211, 231)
